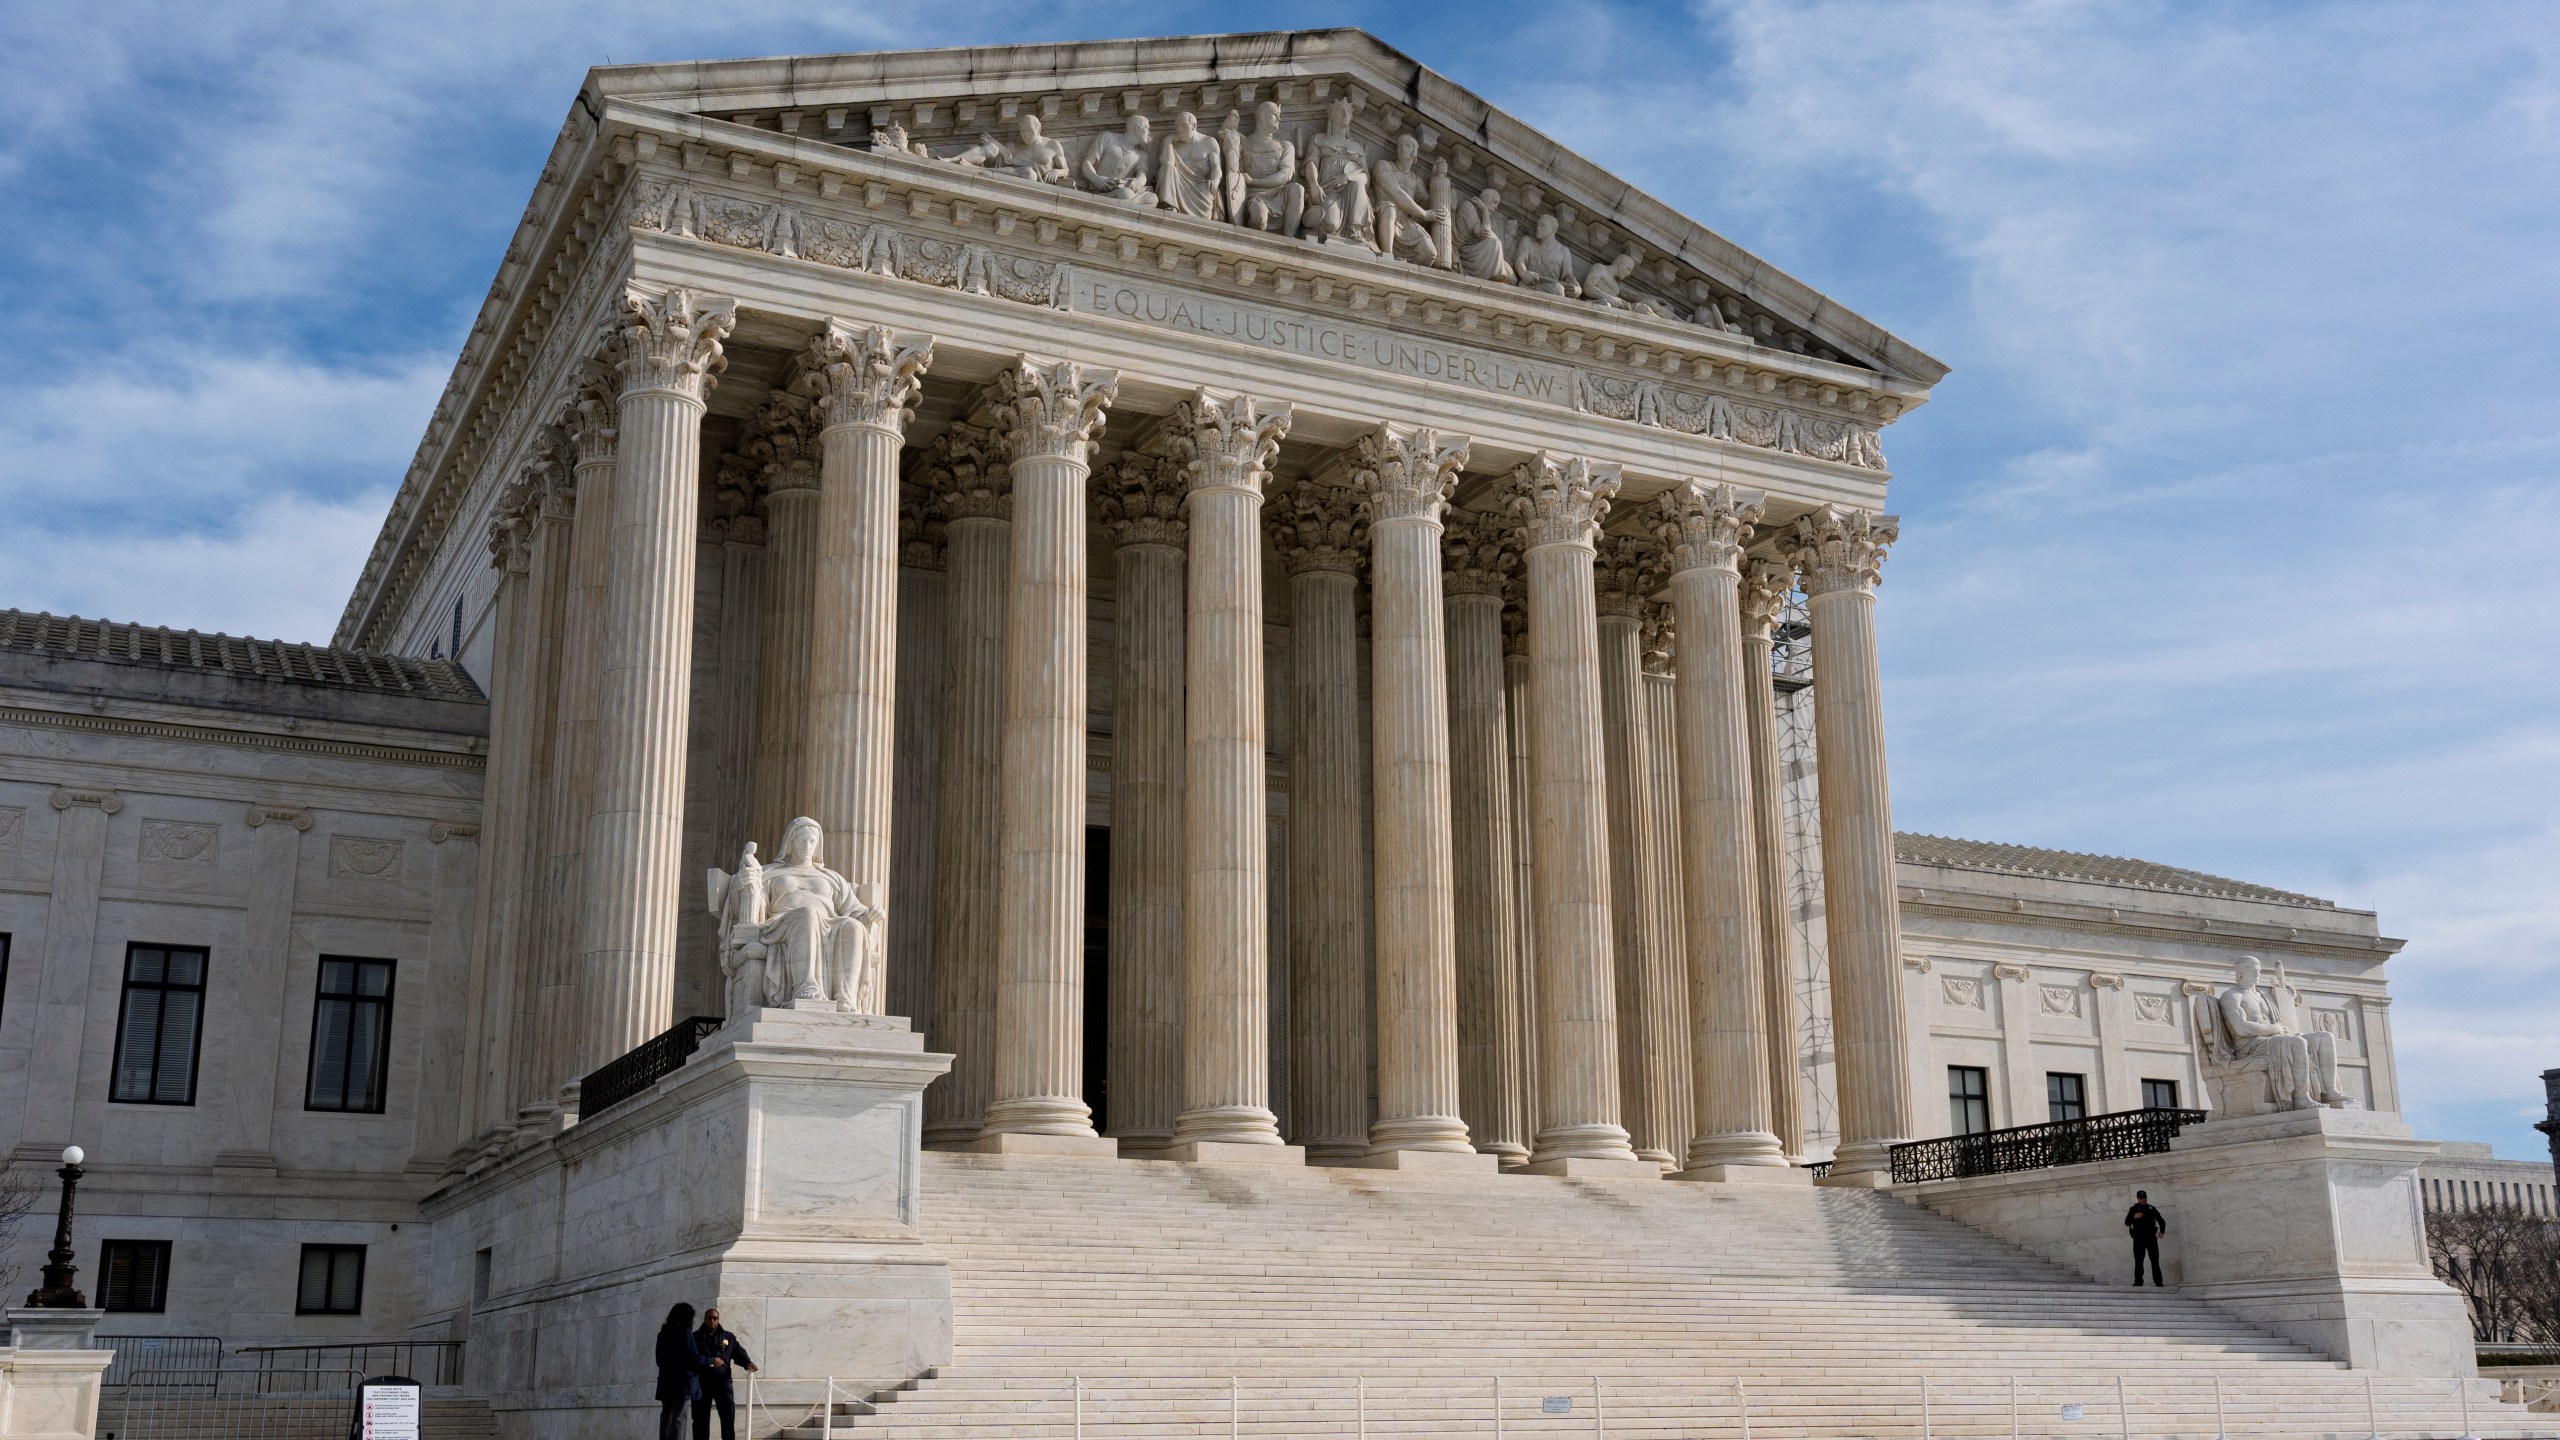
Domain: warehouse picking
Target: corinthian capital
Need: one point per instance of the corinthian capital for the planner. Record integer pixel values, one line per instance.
(1561, 501)
(920, 528)
(1140, 501)
(1765, 584)
(511, 527)
(593, 419)
(671, 341)
(1622, 573)
(1408, 471)
(1482, 552)
(1227, 441)
(1836, 548)
(864, 374)
(974, 481)
(1320, 527)
(1051, 411)
(1661, 641)
(1704, 527)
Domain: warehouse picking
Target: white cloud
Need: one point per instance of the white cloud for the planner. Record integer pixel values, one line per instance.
(278, 569)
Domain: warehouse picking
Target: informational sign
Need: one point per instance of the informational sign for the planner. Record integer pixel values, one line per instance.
(2071, 1412)
(1556, 1405)
(390, 1412)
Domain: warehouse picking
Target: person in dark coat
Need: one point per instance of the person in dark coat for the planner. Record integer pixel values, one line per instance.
(721, 1357)
(679, 1371)
(2146, 1225)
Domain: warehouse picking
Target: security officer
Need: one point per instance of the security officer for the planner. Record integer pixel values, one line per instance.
(2145, 1223)
(721, 1357)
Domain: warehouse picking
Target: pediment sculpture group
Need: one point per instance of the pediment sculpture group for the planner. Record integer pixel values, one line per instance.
(795, 934)
(1327, 187)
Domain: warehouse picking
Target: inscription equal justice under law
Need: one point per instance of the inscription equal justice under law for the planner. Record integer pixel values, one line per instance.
(1324, 340)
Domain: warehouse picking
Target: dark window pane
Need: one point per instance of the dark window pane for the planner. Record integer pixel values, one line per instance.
(133, 1276)
(373, 978)
(137, 1058)
(2160, 1094)
(332, 1280)
(2066, 1096)
(337, 977)
(186, 967)
(350, 1030)
(176, 1081)
(147, 963)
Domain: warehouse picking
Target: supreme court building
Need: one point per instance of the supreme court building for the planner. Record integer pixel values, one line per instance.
(1322, 633)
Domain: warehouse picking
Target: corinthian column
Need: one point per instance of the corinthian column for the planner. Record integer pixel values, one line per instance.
(1839, 553)
(1049, 413)
(1560, 503)
(669, 352)
(496, 984)
(1671, 930)
(1407, 474)
(1650, 1052)
(1141, 507)
(549, 515)
(1519, 712)
(1765, 584)
(783, 439)
(864, 379)
(967, 875)
(1480, 835)
(1317, 531)
(1703, 531)
(1229, 442)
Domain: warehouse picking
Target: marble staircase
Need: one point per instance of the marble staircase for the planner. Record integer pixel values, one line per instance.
(1159, 1299)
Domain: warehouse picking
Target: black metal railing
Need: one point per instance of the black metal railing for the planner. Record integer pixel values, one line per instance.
(161, 1361)
(2117, 1136)
(652, 1060)
(285, 1369)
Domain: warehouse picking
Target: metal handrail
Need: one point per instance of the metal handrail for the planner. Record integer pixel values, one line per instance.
(644, 1065)
(444, 1358)
(2118, 1135)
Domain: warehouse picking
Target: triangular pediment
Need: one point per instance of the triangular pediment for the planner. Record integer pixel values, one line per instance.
(968, 106)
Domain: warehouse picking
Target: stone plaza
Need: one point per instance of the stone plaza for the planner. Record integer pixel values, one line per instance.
(1176, 733)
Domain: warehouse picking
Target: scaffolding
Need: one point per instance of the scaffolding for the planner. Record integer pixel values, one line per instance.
(1791, 677)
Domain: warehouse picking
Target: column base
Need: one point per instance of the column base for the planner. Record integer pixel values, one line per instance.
(1862, 1165)
(1085, 1147)
(1576, 1167)
(1781, 1175)
(1445, 1162)
(1227, 1152)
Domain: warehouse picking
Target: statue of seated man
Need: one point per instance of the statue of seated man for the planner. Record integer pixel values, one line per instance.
(1115, 166)
(1543, 264)
(1338, 182)
(1029, 156)
(1263, 191)
(795, 930)
(2302, 1067)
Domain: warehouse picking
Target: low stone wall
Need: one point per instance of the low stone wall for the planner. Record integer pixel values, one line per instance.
(2307, 1223)
(49, 1377)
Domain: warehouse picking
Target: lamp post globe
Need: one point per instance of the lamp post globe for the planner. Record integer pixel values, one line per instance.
(71, 1155)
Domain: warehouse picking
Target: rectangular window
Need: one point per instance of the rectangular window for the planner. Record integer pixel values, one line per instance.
(160, 1026)
(1968, 1099)
(332, 1281)
(133, 1277)
(2066, 1097)
(350, 1036)
(2159, 1094)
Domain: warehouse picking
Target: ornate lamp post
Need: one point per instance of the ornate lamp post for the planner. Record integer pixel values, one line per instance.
(56, 1292)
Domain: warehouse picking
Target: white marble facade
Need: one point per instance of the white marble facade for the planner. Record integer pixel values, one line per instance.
(972, 448)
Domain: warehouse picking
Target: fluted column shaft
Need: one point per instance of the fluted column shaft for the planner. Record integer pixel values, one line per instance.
(966, 870)
(1645, 977)
(1839, 553)
(568, 798)
(1671, 928)
(1408, 474)
(865, 378)
(1703, 532)
(1561, 503)
(1317, 530)
(782, 668)
(1764, 590)
(495, 984)
(1226, 891)
(1480, 831)
(1518, 705)
(1051, 413)
(550, 513)
(635, 837)
(1141, 504)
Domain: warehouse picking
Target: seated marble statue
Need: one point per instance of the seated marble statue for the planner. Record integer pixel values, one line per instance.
(1263, 191)
(2249, 1031)
(1029, 156)
(796, 931)
(1191, 171)
(1115, 166)
(1544, 265)
(1476, 228)
(1338, 206)
(1412, 212)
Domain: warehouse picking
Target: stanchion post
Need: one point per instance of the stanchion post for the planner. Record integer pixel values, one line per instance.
(1079, 1384)
(1742, 1402)
(1926, 1431)
(2124, 1417)
(2372, 1417)
(2013, 1407)
(2221, 1431)
(1599, 1411)
(2462, 1392)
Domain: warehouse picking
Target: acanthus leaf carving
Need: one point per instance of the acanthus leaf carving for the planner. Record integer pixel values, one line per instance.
(1139, 501)
(1839, 548)
(1481, 551)
(1704, 527)
(1052, 410)
(1320, 527)
(865, 375)
(1562, 500)
(1622, 574)
(1408, 471)
(1227, 441)
(671, 340)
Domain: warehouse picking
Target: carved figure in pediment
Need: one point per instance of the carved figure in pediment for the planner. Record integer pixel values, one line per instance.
(892, 140)
(1030, 155)
(1476, 232)
(1115, 166)
(1191, 171)
(1605, 285)
(1412, 212)
(1544, 265)
(1338, 204)
(1263, 191)
(797, 931)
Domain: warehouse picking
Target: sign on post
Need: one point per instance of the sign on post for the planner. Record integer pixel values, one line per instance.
(390, 1412)
(1555, 1405)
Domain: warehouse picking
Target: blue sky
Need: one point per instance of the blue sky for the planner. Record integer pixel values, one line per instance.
(2226, 544)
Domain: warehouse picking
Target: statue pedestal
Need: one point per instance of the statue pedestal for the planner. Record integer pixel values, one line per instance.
(2305, 1222)
(49, 1375)
(774, 1175)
